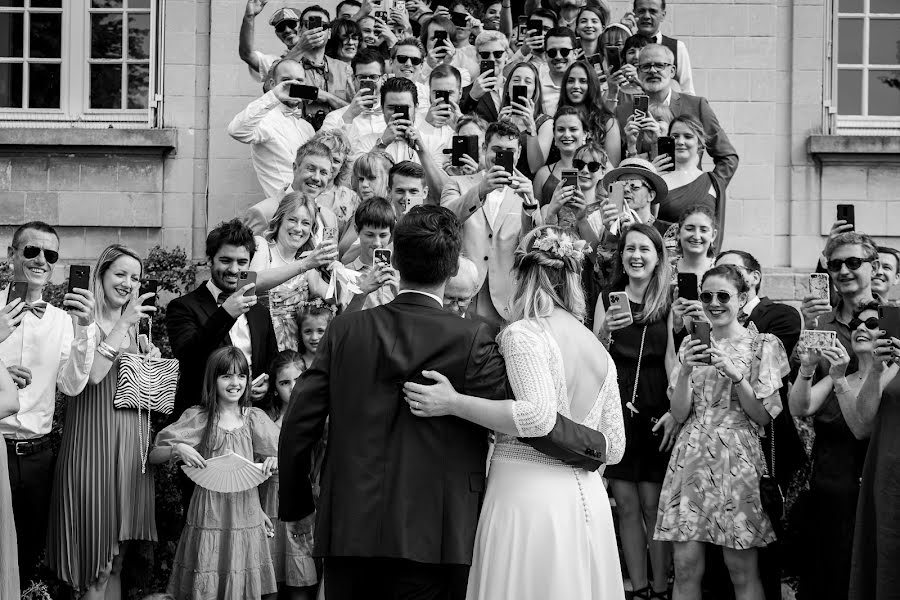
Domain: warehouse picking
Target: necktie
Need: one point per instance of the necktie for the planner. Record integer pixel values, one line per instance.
(223, 296)
(37, 308)
(743, 318)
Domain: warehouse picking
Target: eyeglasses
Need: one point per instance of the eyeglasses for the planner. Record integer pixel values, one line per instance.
(29, 252)
(647, 67)
(403, 59)
(496, 54)
(634, 185)
(350, 38)
(853, 263)
(461, 302)
(592, 166)
(553, 52)
(870, 323)
(722, 297)
(280, 28)
(367, 77)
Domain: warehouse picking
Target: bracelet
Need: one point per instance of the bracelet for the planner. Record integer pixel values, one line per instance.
(107, 351)
(733, 382)
(805, 377)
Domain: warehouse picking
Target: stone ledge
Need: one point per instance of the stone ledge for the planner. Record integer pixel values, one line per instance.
(854, 148)
(152, 141)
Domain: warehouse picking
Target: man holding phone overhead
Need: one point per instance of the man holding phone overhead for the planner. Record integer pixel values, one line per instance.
(496, 207)
(274, 127)
(44, 353)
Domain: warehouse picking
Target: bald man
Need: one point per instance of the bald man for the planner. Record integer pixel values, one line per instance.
(461, 288)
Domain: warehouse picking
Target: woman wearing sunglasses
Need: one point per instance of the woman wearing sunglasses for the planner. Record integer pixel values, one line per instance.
(640, 342)
(826, 389)
(722, 393)
(344, 41)
(581, 90)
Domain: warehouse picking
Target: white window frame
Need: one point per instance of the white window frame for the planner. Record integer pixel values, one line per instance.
(854, 124)
(75, 108)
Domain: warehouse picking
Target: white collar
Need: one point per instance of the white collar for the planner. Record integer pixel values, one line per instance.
(440, 301)
(214, 290)
(658, 37)
(751, 304)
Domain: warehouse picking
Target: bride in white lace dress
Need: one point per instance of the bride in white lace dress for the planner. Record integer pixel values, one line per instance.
(545, 529)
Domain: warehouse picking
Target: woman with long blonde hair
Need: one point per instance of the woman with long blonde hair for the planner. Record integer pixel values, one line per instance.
(103, 495)
(546, 528)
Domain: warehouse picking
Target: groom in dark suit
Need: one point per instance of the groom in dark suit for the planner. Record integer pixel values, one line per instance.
(400, 495)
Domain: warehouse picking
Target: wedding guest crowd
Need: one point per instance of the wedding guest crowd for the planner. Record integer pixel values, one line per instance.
(489, 288)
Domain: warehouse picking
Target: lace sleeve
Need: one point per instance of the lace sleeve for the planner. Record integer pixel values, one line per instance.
(527, 358)
(612, 425)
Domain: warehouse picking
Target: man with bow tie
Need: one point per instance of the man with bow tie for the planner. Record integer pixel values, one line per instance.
(46, 351)
(274, 127)
(363, 115)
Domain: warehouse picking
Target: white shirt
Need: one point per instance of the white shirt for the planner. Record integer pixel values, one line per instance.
(751, 304)
(683, 73)
(274, 132)
(492, 204)
(367, 123)
(433, 139)
(549, 90)
(265, 62)
(60, 355)
(440, 301)
(240, 331)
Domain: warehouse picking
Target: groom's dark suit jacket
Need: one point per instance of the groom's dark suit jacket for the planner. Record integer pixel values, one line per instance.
(393, 485)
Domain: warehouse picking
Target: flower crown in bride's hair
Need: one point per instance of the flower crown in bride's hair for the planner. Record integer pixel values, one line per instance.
(562, 248)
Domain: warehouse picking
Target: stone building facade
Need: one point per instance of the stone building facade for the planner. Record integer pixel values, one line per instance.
(780, 75)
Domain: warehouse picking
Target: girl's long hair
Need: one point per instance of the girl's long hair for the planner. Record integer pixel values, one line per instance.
(537, 98)
(221, 362)
(110, 255)
(657, 297)
(272, 403)
(593, 110)
(544, 280)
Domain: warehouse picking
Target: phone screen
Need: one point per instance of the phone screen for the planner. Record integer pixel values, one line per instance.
(688, 287)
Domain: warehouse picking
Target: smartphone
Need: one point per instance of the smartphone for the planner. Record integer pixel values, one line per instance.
(313, 23)
(617, 196)
(666, 145)
(246, 278)
(536, 25)
(382, 255)
(369, 86)
(641, 106)
(442, 96)
(595, 59)
(522, 27)
(846, 212)
(487, 65)
(258, 380)
(519, 94)
(303, 92)
(889, 320)
(620, 301)
(569, 178)
(688, 287)
(577, 41)
(79, 277)
(700, 331)
(504, 158)
(329, 234)
(820, 286)
(17, 289)
(381, 15)
(151, 285)
(464, 144)
(817, 338)
(459, 19)
(403, 111)
(613, 58)
(440, 38)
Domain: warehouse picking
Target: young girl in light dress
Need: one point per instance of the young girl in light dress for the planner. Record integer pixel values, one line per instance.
(223, 552)
(295, 568)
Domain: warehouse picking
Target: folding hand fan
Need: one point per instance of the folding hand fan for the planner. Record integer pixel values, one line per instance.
(227, 473)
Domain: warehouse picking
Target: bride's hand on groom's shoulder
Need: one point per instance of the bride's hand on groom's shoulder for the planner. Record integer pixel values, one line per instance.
(437, 400)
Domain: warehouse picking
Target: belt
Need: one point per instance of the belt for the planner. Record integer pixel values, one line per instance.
(27, 447)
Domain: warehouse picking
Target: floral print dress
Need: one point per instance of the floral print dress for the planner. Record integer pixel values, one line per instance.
(711, 488)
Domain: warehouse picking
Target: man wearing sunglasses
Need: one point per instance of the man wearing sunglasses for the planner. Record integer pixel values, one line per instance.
(784, 322)
(655, 72)
(559, 46)
(407, 58)
(286, 22)
(484, 95)
(44, 353)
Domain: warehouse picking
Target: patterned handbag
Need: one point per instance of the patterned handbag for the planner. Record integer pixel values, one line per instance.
(146, 383)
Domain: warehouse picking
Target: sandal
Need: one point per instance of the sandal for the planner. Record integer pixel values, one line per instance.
(663, 595)
(642, 594)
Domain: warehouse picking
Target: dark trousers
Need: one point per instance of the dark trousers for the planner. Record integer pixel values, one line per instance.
(393, 579)
(31, 480)
(717, 581)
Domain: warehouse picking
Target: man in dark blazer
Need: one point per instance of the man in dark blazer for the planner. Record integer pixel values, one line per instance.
(783, 322)
(657, 84)
(400, 496)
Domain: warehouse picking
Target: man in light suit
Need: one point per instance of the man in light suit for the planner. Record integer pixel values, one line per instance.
(496, 209)
(656, 68)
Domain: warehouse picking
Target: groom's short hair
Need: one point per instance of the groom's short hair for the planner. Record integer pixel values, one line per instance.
(427, 242)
